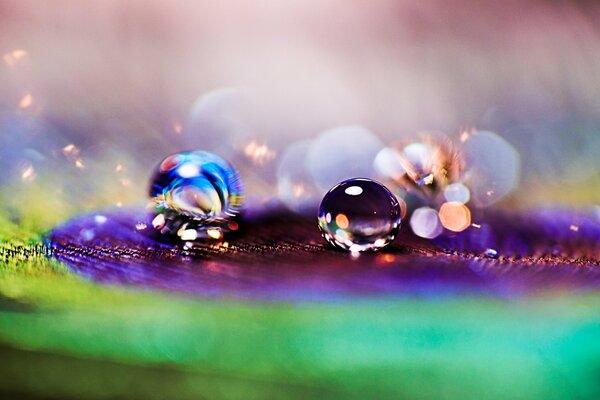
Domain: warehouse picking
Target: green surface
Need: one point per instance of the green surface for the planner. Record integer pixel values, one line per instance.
(64, 337)
(70, 338)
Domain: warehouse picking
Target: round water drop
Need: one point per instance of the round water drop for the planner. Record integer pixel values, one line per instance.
(359, 214)
(195, 194)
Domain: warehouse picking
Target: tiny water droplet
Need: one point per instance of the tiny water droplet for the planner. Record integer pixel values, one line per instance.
(491, 253)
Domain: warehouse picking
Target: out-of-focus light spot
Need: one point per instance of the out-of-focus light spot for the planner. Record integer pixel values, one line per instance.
(492, 167)
(574, 228)
(355, 251)
(233, 225)
(213, 233)
(342, 236)
(140, 226)
(119, 204)
(353, 190)
(342, 221)
(26, 101)
(159, 221)
(188, 234)
(100, 219)
(28, 174)
(12, 58)
(342, 153)
(387, 163)
(177, 128)
(457, 192)
(294, 185)
(125, 182)
(385, 258)
(455, 216)
(119, 168)
(425, 223)
(259, 154)
(379, 243)
(464, 136)
(224, 119)
(70, 150)
(87, 234)
(297, 190)
(477, 226)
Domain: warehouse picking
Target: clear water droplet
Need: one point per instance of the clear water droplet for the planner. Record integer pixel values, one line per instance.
(359, 214)
(195, 193)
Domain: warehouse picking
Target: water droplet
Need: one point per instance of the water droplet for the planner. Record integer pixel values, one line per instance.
(491, 253)
(359, 214)
(195, 192)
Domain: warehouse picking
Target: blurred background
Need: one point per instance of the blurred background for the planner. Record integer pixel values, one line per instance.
(298, 94)
(93, 94)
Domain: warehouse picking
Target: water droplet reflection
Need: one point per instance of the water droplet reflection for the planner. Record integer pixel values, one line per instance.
(359, 214)
(194, 194)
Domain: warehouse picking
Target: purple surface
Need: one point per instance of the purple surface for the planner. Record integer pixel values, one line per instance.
(283, 257)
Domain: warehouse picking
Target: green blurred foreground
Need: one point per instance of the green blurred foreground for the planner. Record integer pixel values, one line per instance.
(63, 337)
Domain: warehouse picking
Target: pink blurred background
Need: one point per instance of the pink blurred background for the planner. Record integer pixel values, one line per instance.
(120, 80)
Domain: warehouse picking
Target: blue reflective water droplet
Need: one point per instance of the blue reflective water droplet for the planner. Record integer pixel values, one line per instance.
(359, 214)
(195, 195)
(491, 253)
